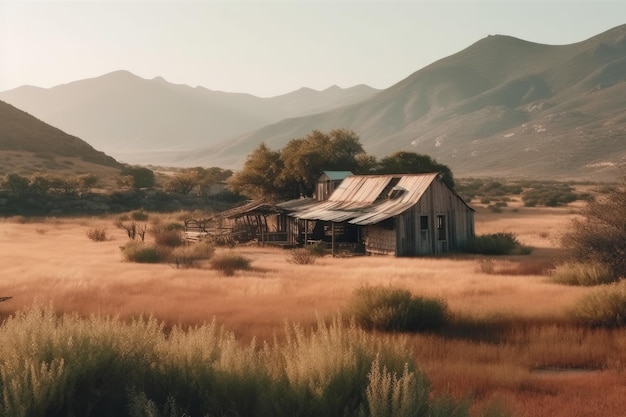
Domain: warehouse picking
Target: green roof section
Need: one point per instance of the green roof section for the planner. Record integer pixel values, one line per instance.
(337, 175)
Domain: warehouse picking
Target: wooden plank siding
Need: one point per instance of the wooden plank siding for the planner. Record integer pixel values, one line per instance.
(438, 200)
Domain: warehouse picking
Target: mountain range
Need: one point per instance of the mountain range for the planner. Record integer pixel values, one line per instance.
(133, 118)
(501, 107)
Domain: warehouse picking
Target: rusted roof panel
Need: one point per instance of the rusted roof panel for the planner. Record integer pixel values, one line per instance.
(364, 199)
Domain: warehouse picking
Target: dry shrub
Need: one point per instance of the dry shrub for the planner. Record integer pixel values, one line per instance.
(229, 262)
(97, 234)
(139, 215)
(526, 267)
(604, 307)
(301, 256)
(576, 273)
(600, 235)
(141, 252)
(396, 309)
(169, 238)
(189, 256)
(486, 266)
(133, 229)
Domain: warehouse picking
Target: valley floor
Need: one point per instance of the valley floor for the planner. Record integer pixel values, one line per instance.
(511, 340)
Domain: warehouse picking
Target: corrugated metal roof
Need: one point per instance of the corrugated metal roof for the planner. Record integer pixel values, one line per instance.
(364, 199)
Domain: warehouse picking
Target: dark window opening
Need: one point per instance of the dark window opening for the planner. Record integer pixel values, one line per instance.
(441, 227)
(423, 222)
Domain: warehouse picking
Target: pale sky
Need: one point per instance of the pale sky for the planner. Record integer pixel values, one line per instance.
(268, 48)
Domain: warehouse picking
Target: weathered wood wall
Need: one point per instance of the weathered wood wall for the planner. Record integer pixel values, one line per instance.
(412, 239)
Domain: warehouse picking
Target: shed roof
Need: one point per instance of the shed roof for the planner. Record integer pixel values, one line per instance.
(251, 208)
(364, 199)
(337, 175)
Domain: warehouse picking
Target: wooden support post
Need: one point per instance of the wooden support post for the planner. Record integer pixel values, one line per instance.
(332, 239)
(306, 232)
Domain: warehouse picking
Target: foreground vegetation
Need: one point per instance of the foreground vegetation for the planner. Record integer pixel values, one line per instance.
(97, 366)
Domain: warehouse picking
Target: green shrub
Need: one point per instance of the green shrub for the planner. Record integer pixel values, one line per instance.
(97, 234)
(141, 252)
(301, 256)
(228, 263)
(497, 244)
(188, 256)
(395, 309)
(604, 307)
(576, 273)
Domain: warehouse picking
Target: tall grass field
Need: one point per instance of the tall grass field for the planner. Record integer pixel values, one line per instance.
(89, 332)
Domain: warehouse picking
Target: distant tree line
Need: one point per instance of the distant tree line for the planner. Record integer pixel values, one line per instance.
(293, 171)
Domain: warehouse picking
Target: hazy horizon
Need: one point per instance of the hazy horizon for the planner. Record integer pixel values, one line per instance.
(269, 48)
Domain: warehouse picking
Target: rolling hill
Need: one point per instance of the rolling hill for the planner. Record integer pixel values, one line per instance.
(140, 120)
(28, 145)
(502, 106)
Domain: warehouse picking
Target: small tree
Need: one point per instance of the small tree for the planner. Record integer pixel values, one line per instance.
(142, 177)
(16, 183)
(600, 234)
(182, 182)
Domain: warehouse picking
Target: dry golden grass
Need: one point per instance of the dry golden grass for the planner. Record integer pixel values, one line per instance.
(531, 331)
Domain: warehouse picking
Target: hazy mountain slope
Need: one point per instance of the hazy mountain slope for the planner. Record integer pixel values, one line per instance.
(28, 145)
(122, 113)
(501, 106)
(19, 131)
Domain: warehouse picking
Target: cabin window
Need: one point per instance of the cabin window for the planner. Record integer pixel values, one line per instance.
(441, 227)
(423, 222)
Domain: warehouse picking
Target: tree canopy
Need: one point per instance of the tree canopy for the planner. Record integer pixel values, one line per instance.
(186, 179)
(412, 163)
(293, 171)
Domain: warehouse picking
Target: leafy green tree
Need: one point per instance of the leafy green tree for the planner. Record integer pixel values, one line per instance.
(259, 177)
(306, 158)
(412, 163)
(142, 177)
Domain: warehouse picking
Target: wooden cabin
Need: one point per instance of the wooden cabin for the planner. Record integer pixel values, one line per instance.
(401, 215)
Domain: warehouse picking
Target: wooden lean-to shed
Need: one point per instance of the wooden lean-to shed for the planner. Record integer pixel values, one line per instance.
(328, 182)
(403, 215)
